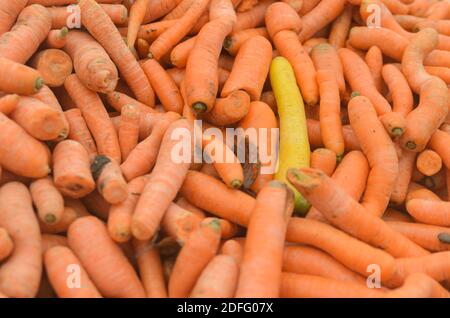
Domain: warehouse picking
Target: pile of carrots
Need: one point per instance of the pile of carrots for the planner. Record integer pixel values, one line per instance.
(93, 205)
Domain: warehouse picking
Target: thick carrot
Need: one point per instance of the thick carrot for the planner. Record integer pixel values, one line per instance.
(429, 212)
(234, 41)
(31, 29)
(96, 117)
(351, 175)
(323, 159)
(56, 39)
(47, 200)
(250, 68)
(230, 109)
(319, 17)
(311, 261)
(21, 272)
(165, 88)
(289, 46)
(374, 60)
(194, 256)
(143, 157)
(180, 53)
(110, 181)
(128, 129)
(73, 210)
(429, 162)
(8, 103)
(137, 15)
(92, 64)
(383, 162)
(103, 260)
(6, 244)
(71, 169)
(152, 31)
(218, 279)
(79, 131)
(163, 185)
(405, 169)
(150, 269)
(330, 107)
(252, 18)
(54, 65)
(103, 30)
(343, 211)
(281, 16)
(179, 223)
(60, 262)
(273, 208)
(9, 10)
(425, 119)
(142, 47)
(340, 27)
(360, 79)
(27, 80)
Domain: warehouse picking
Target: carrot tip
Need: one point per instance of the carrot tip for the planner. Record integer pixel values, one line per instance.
(199, 107)
(39, 83)
(214, 224)
(236, 184)
(355, 94)
(444, 238)
(49, 218)
(304, 179)
(150, 55)
(339, 158)
(397, 132)
(98, 164)
(63, 32)
(227, 43)
(411, 145)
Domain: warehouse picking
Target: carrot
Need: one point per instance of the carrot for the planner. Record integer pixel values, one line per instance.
(96, 117)
(28, 81)
(337, 244)
(103, 260)
(252, 18)
(383, 162)
(71, 173)
(323, 159)
(340, 27)
(442, 26)
(103, 30)
(230, 109)
(234, 41)
(150, 32)
(322, 193)
(9, 11)
(142, 47)
(137, 14)
(167, 40)
(117, 100)
(194, 256)
(165, 180)
(325, 58)
(59, 263)
(360, 79)
(8, 103)
(429, 212)
(429, 162)
(6, 244)
(442, 72)
(80, 132)
(21, 272)
(30, 30)
(227, 229)
(179, 223)
(281, 16)
(408, 22)
(54, 65)
(311, 261)
(92, 64)
(273, 208)
(330, 120)
(110, 182)
(73, 210)
(230, 204)
(394, 123)
(315, 138)
(232, 248)
(201, 68)
(374, 60)
(419, 286)
(438, 143)
(51, 240)
(308, 286)
(438, 11)
(165, 88)
(218, 279)
(250, 68)
(426, 118)
(405, 169)
(56, 39)
(159, 8)
(150, 269)
(392, 215)
(180, 53)
(351, 175)
(246, 5)
(402, 97)
(289, 46)
(185, 204)
(143, 157)
(128, 129)
(179, 10)
(47, 199)
(319, 17)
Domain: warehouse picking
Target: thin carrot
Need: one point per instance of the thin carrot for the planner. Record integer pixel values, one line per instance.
(392, 215)
(56, 39)
(405, 169)
(142, 47)
(159, 8)
(374, 60)
(103, 260)
(21, 272)
(442, 72)
(252, 18)
(402, 97)
(6, 244)
(54, 65)
(71, 171)
(79, 131)
(185, 204)
(323, 159)
(150, 32)
(47, 200)
(340, 27)
(137, 15)
(96, 117)
(103, 30)
(234, 41)
(9, 10)
(8, 103)
(315, 138)
(128, 129)
(442, 26)
(59, 261)
(117, 100)
(178, 11)
(194, 256)
(180, 53)
(438, 143)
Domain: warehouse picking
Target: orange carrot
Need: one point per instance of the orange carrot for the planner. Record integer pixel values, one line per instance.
(110, 182)
(73, 210)
(218, 279)
(230, 109)
(234, 41)
(178, 11)
(97, 205)
(103, 30)
(185, 204)
(21, 272)
(402, 97)
(383, 162)
(31, 29)
(6, 244)
(117, 100)
(71, 171)
(250, 68)
(54, 65)
(142, 47)
(92, 64)
(180, 53)
(419, 285)
(315, 138)
(374, 60)
(9, 11)
(194, 256)
(442, 72)
(8, 103)
(179, 223)
(232, 248)
(80, 132)
(103, 260)
(96, 117)
(60, 262)
(150, 32)
(128, 129)
(405, 170)
(137, 15)
(429, 162)
(429, 212)
(150, 269)
(273, 208)
(163, 185)
(252, 18)
(56, 39)
(323, 159)
(27, 80)
(392, 215)
(47, 200)
(438, 143)
(159, 8)
(281, 16)
(340, 27)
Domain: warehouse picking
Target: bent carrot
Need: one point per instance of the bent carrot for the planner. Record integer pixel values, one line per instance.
(6, 244)
(374, 60)
(230, 109)
(110, 182)
(8, 103)
(79, 131)
(402, 97)
(47, 199)
(54, 65)
(405, 169)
